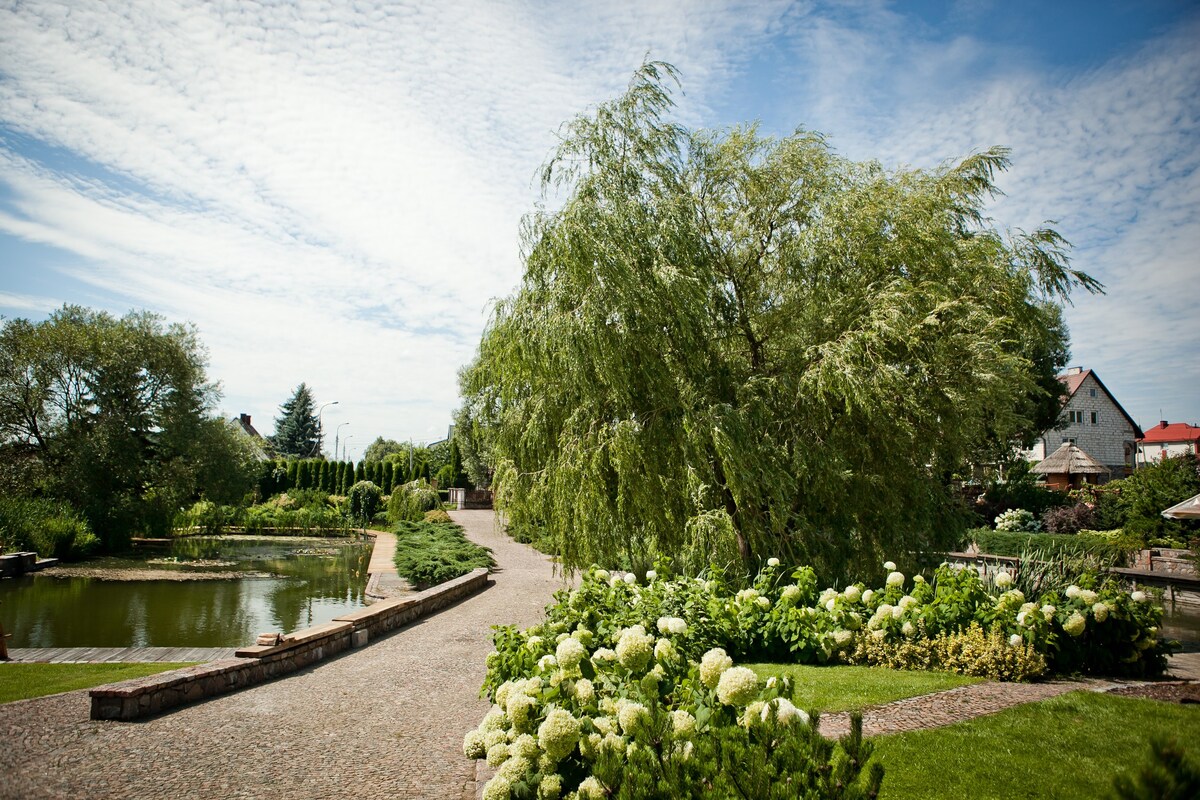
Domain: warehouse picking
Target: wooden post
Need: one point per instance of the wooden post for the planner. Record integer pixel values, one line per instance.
(3, 643)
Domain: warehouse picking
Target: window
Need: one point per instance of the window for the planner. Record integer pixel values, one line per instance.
(1069, 439)
(1076, 416)
(1093, 392)
(1095, 418)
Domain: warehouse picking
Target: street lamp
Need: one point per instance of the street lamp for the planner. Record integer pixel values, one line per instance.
(320, 411)
(344, 441)
(336, 431)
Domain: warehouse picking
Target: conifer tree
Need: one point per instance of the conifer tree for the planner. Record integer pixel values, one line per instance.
(360, 472)
(388, 476)
(293, 468)
(298, 427)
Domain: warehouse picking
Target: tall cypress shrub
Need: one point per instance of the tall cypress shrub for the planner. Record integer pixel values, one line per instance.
(293, 469)
(388, 475)
(360, 472)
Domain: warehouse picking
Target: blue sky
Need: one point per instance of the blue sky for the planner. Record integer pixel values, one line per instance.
(333, 195)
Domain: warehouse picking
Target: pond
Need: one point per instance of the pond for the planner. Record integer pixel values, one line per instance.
(245, 586)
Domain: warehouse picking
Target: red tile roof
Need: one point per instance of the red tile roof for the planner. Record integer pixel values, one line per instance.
(1165, 432)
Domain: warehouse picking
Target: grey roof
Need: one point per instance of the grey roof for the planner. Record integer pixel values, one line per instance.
(1070, 460)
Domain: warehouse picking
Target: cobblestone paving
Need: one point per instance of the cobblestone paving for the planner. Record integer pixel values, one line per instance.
(953, 705)
(385, 721)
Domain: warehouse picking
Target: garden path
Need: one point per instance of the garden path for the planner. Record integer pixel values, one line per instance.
(385, 720)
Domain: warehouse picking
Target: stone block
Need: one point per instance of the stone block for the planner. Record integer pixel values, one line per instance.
(358, 638)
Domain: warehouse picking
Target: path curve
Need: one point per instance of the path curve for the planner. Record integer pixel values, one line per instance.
(383, 721)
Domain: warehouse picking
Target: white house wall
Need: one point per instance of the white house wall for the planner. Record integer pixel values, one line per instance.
(1110, 439)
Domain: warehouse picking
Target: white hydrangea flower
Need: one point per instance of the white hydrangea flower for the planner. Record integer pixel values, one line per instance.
(494, 719)
(750, 716)
(1003, 579)
(827, 595)
(1138, 596)
(1072, 592)
(918, 578)
(525, 746)
(546, 663)
(1029, 608)
(520, 710)
(1015, 640)
(791, 592)
(852, 593)
(664, 650)
(878, 634)
(604, 655)
(895, 579)
(602, 574)
(669, 625)
(635, 648)
(746, 595)
(651, 574)
(473, 744)
(1022, 616)
(785, 712)
(1100, 612)
(497, 754)
(868, 595)
(1048, 612)
(712, 664)
(605, 725)
(551, 786)
(498, 788)
(558, 733)
(908, 601)
(842, 638)
(590, 789)
(830, 605)
(682, 722)
(897, 612)
(737, 686)
(570, 652)
(852, 621)
(1075, 624)
(772, 562)
(908, 629)
(584, 691)
(533, 642)
(1088, 597)
(890, 566)
(763, 602)
(631, 716)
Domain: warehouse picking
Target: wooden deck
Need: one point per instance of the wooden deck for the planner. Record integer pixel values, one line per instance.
(70, 655)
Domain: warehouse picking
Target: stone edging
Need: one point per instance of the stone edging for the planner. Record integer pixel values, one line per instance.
(141, 697)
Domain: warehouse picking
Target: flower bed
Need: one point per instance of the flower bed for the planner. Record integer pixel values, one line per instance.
(629, 688)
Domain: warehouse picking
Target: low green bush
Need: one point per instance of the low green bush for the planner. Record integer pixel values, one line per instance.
(430, 553)
(1005, 543)
(410, 501)
(50, 528)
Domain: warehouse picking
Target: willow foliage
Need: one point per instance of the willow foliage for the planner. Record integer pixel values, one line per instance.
(727, 347)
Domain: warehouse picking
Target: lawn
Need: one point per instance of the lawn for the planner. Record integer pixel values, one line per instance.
(23, 681)
(855, 688)
(1070, 746)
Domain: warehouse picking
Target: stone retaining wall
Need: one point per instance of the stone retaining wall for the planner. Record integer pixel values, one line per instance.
(140, 697)
(1166, 559)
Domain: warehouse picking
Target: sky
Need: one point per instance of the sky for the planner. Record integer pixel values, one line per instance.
(332, 191)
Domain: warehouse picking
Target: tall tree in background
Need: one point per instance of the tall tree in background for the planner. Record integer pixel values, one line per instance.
(297, 428)
(114, 415)
(727, 347)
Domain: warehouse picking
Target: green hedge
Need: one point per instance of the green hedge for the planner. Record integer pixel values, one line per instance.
(49, 528)
(1004, 543)
(429, 553)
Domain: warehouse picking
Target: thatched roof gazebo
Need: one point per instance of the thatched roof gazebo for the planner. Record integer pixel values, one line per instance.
(1069, 466)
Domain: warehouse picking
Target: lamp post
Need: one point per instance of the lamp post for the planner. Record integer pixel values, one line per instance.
(320, 411)
(344, 441)
(336, 431)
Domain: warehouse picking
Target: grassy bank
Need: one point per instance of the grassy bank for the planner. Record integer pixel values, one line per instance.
(23, 681)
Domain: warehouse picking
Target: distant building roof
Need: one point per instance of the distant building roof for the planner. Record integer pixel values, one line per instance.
(244, 421)
(1075, 377)
(1070, 460)
(1165, 432)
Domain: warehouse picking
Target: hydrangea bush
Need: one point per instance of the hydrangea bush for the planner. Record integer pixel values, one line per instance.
(628, 715)
(1018, 519)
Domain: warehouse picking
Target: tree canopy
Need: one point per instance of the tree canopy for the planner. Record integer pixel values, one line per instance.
(113, 415)
(727, 347)
(298, 426)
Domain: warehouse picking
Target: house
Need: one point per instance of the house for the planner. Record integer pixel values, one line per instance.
(1094, 422)
(1165, 440)
(1069, 467)
(243, 421)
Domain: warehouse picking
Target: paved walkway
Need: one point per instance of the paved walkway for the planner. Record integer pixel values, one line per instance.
(385, 721)
(384, 581)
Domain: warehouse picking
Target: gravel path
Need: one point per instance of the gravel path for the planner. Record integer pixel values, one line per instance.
(385, 721)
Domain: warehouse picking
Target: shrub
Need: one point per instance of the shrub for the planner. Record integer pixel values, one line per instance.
(630, 717)
(1001, 543)
(990, 654)
(437, 515)
(364, 499)
(51, 529)
(1069, 519)
(410, 501)
(1017, 519)
(431, 553)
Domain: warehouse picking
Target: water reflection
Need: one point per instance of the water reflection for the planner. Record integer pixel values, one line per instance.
(273, 584)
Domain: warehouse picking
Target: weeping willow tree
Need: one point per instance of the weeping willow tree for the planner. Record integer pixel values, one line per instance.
(727, 347)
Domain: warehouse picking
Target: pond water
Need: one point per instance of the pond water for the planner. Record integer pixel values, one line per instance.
(265, 584)
(1182, 622)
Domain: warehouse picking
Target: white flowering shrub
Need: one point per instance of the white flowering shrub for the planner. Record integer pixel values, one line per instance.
(1017, 520)
(615, 724)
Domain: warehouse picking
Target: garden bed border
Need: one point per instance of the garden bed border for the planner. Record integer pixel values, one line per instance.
(142, 697)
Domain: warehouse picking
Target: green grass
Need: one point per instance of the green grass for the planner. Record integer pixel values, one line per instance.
(854, 688)
(1070, 746)
(429, 553)
(23, 681)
